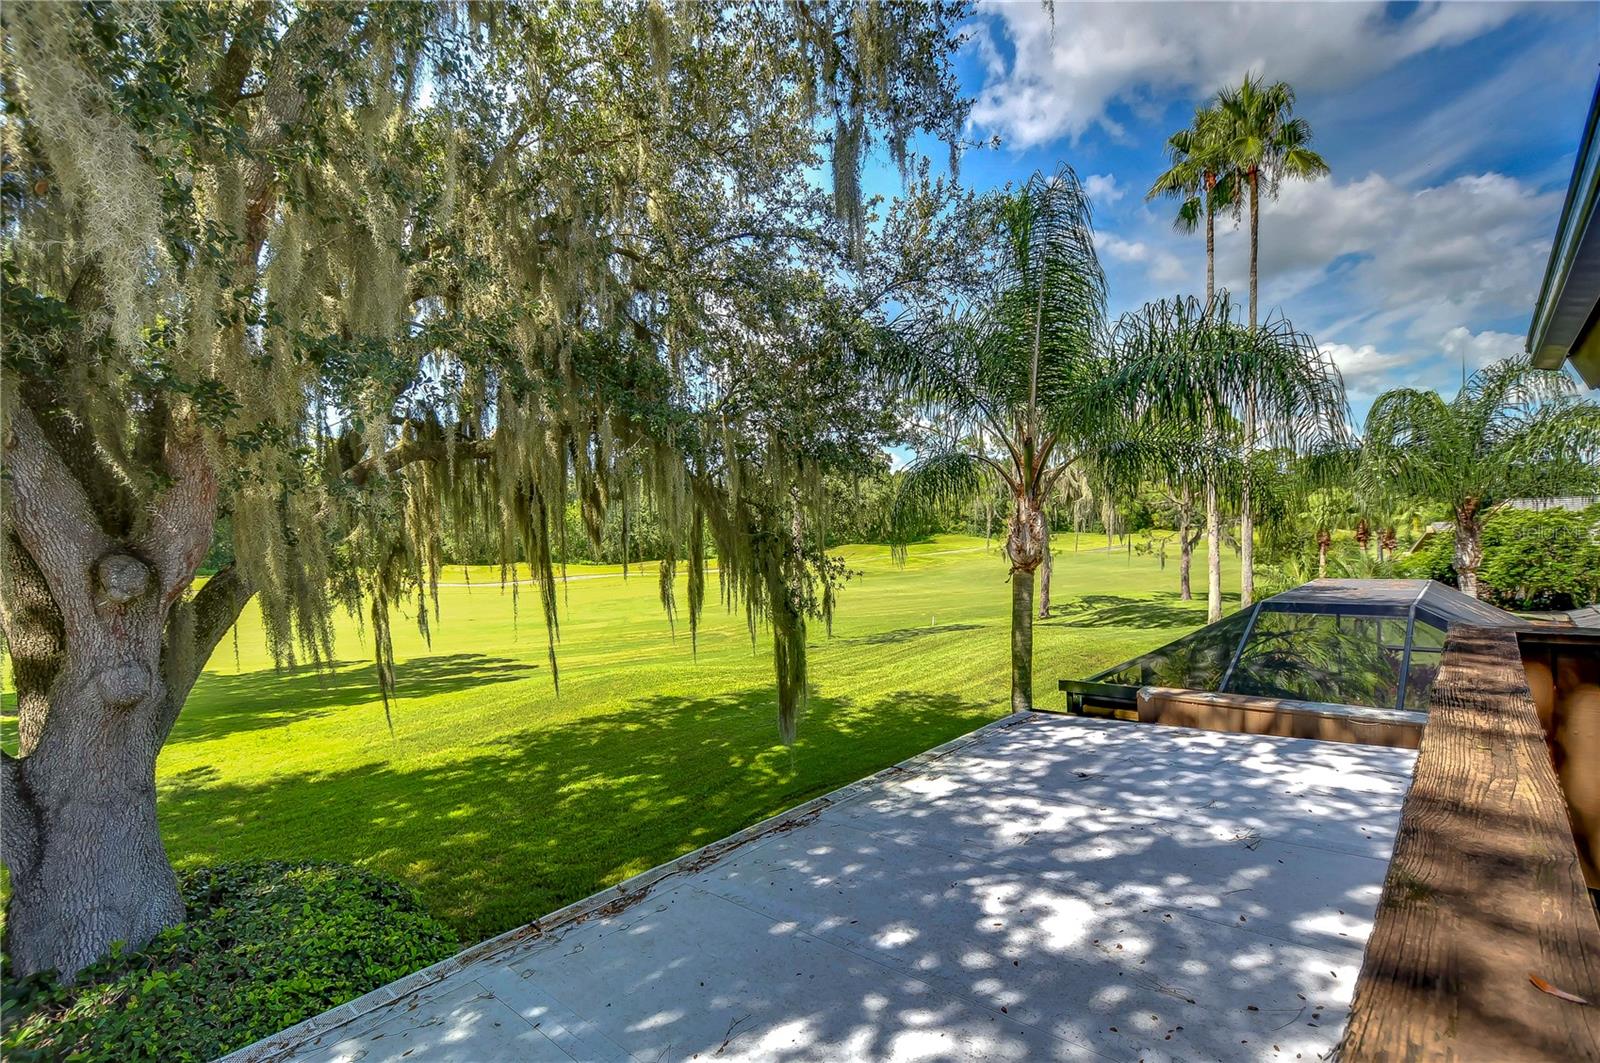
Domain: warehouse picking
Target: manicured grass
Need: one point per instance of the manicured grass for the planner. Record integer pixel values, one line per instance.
(500, 801)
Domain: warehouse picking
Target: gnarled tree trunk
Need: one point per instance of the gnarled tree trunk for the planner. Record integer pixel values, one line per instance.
(106, 648)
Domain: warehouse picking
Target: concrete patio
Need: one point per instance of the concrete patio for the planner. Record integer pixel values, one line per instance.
(1046, 888)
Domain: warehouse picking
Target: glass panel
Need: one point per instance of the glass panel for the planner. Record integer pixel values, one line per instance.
(1427, 644)
(1194, 662)
(1350, 660)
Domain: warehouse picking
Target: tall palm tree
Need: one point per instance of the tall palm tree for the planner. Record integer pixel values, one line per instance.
(1264, 144)
(1512, 430)
(1187, 363)
(1003, 379)
(1201, 179)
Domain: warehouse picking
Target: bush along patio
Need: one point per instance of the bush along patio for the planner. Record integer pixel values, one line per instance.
(264, 946)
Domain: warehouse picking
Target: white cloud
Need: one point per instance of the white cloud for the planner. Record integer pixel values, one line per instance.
(1067, 72)
(1478, 349)
(1103, 189)
(1161, 265)
(1369, 371)
(1366, 370)
(1426, 260)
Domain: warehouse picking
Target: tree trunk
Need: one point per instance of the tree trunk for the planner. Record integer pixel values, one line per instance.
(113, 647)
(1021, 641)
(1255, 240)
(1185, 550)
(1247, 526)
(1044, 578)
(1323, 539)
(88, 867)
(1214, 548)
(1469, 548)
(1027, 545)
(1211, 241)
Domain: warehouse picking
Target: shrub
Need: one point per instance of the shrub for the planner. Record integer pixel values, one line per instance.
(1436, 559)
(1540, 560)
(266, 945)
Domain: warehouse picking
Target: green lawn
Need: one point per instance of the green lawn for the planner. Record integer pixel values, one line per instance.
(500, 801)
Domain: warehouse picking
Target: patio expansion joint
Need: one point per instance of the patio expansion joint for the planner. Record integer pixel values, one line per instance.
(607, 901)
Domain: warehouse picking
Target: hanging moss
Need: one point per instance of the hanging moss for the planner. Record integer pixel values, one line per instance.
(390, 314)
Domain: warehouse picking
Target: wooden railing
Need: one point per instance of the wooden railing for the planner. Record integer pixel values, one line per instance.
(1485, 926)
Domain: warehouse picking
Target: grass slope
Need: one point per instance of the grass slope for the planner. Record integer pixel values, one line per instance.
(500, 801)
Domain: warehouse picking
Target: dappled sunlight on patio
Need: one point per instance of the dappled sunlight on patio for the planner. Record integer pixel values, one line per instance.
(1059, 888)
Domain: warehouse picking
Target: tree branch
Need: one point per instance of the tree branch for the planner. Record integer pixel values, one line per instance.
(184, 517)
(52, 516)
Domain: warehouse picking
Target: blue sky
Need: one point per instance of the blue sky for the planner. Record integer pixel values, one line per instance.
(1450, 130)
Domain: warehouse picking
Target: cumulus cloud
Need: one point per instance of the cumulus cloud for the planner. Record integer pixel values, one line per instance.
(1161, 265)
(1069, 70)
(1438, 363)
(1103, 189)
(1423, 260)
(1367, 370)
(1478, 349)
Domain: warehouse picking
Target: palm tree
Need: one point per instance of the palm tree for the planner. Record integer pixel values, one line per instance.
(1326, 509)
(1265, 144)
(1512, 430)
(1201, 179)
(1002, 380)
(1191, 364)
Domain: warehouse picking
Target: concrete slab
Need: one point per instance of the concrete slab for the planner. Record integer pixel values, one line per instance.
(1060, 889)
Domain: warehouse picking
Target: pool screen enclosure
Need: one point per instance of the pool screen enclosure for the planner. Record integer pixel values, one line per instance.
(1360, 642)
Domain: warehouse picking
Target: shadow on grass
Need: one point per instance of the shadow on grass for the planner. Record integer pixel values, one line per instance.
(515, 828)
(906, 634)
(224, 704)
(1111, 610)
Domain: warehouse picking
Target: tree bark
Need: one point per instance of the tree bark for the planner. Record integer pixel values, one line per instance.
(1021, 641)
(1044, 578)
(1211, 241)
(1214, 549)
(1247, 526)
(109, 649)
(1255, 240)
(1323, 539)
(1185, 548)
(1469, 547)
(1027, 544)
(1186, 551)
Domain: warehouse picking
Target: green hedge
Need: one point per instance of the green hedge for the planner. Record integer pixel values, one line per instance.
(1531, 560)
(1546, 560)
(266, 945)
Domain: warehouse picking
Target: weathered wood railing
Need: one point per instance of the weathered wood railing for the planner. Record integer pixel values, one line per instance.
(1484, 893)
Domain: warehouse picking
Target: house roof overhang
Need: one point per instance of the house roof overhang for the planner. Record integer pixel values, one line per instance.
(1566, 319)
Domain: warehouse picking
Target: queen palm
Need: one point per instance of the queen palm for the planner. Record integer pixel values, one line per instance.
(1201, 179)
(1327, 509)
(1002, 380)
(1264, 143)
(1185, 363)
(1511, 430)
